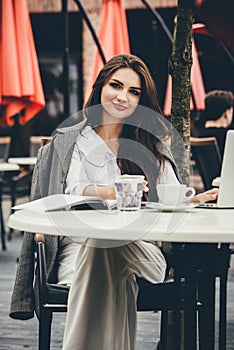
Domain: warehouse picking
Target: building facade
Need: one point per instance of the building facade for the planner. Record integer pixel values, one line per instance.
(147, 40)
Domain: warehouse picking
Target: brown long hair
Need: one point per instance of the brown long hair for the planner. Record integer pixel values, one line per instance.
(143, 131)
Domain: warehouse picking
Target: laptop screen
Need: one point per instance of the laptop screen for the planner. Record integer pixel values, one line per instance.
(226, 188)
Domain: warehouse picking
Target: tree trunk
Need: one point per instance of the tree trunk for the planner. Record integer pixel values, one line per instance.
(180, 63)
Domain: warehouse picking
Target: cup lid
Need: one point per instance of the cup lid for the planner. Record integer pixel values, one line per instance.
(130, 178)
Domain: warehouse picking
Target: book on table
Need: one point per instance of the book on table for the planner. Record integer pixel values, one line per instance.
(56, 202)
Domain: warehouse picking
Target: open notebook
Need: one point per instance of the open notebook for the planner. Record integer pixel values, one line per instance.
(226, 187)
(66, 202)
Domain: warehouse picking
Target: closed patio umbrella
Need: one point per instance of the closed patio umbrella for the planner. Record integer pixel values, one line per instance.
(21, 92)
(113, 35)
(197, 85)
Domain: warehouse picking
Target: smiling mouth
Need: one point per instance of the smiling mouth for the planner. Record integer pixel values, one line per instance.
(119, 107)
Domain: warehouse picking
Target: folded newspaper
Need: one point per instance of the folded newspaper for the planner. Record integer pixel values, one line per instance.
(67, 202)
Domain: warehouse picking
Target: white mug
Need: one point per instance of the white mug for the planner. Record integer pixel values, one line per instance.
(174, 194)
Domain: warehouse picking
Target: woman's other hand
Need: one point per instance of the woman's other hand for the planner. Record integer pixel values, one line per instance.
(207, 196)
(145, 187)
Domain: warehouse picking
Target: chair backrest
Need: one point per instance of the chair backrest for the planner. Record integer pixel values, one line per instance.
(207, 156)
(45, 140)
(4, 147)
(35, 144)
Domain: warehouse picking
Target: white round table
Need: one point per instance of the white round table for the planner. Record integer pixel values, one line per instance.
(192, 226)
(8, 167)
(22, 160)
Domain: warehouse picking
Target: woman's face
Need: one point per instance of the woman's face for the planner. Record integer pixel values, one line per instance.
(121, 94)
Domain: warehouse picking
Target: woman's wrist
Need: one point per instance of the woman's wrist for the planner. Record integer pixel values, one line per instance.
(107, 192)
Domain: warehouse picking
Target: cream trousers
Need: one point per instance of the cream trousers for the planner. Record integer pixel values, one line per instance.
(102, 300)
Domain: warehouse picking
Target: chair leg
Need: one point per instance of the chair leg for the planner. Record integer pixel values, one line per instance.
(163, 330)
(45, 330)
(11, 230)
(206, 314)
(223, 312)
(3, 232)
(10, 233)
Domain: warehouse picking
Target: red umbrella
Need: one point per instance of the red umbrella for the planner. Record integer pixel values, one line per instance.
(113, 35)
(197, 85)
(20, 82)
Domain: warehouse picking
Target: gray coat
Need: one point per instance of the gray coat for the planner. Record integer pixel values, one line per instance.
(49, 177)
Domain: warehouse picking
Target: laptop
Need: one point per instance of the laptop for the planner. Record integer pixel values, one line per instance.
(226, 187)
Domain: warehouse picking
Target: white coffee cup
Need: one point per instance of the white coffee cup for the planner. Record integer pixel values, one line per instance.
(128, 191)
(173, 194)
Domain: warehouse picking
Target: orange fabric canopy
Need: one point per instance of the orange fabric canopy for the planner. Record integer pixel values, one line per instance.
(113, 35)
(20, 82)
(197, 86)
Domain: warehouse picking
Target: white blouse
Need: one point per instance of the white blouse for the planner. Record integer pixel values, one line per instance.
(94, 163)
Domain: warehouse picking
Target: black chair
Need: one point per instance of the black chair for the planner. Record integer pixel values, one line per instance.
(2, 226)
(4, 151)
(205, 152)
(4, 147)
(13, 185)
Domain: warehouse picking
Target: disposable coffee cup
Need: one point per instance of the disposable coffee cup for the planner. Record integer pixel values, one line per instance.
(174, 195)
(129, 191)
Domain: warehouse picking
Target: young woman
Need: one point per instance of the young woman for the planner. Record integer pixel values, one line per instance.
(123, 132)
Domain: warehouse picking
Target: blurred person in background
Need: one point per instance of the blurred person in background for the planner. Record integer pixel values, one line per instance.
(217, 118)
